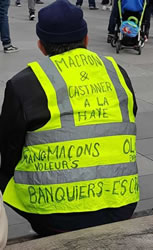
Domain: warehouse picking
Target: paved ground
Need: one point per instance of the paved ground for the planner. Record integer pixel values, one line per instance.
(139, 68)
(135, 234)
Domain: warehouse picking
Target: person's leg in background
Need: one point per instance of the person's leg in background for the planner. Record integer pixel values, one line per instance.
(104, 4)
(112, 21)
(39, 2)
(92, 5)
(147, 18)
(4, 27)
(31, 7)
(18, 3)
(79, 3)
(110, 7)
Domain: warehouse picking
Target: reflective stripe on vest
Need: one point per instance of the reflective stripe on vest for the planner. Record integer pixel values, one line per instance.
(111, 129)
(69, 104)
(76, 197)
(84, 157)
(128, 92)
(50, 92)
(74, 175)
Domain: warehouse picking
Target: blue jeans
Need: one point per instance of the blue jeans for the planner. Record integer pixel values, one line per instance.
(4, 24)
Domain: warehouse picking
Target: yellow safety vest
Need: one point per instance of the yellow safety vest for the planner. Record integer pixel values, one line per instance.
(84, 157)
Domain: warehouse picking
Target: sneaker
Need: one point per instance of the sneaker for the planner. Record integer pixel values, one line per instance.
(18, 4)
(93, 8)
(78, 5)
(142, 44)
(110, 8)
(104, 7)
(10, 49)
(31, 16)
(145, 39)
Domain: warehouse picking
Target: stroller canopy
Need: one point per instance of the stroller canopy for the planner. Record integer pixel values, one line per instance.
(132, 5)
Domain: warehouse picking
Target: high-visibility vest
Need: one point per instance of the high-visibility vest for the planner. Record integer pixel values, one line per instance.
(84, 157)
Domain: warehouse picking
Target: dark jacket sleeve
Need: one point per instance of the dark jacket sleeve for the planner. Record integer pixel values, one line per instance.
(24, 109)
(12, 134)
(129, 84)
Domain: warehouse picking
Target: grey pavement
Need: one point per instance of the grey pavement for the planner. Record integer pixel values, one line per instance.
(139, 68)
(135, 234)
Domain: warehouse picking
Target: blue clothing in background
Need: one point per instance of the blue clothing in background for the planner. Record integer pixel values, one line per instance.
(132, 5)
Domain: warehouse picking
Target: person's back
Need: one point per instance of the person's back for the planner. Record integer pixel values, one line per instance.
(134, 5)
(73, 161)
(3, 224)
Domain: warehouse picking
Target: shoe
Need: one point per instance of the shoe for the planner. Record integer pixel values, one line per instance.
(142, 44)
(10, 49)
(31, 16)
(18, 4)
(93, 8)
(110, 8)
(145, 39)
(39, 2)
(104, 7)
(78, 5)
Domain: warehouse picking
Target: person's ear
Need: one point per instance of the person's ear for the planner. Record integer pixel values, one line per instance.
(86, 41)
(41, 47)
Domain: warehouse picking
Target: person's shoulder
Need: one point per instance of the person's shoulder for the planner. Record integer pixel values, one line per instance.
(25, 76)
(124, 72)
(22, 80)
(21, 76)
(21, 83)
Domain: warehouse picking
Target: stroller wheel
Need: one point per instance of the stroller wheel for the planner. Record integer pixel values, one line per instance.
(118, 46)
(113, 42)
(110, 38)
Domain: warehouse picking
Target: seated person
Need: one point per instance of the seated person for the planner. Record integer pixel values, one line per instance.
(68, 132)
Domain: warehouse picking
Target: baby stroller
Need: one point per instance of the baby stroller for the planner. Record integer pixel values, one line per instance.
(129, 32)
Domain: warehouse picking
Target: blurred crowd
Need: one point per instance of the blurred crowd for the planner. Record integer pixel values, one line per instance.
(110, 5)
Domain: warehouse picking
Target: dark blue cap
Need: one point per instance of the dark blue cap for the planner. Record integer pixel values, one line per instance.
(61, 22)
